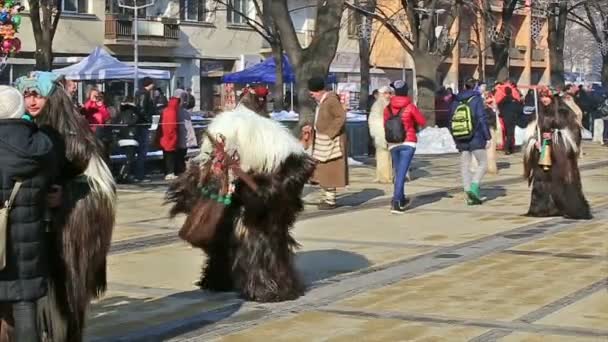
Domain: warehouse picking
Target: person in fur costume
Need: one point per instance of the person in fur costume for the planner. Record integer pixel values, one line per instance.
(242, 195)
(80, 229)
(550, 161)
(384, 169)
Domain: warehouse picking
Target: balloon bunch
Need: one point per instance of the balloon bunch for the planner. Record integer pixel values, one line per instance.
(10, 20)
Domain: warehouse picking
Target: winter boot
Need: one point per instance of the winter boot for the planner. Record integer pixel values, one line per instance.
(473, 195)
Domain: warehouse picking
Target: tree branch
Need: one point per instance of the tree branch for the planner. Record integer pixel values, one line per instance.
(284, 25)
(57, 15)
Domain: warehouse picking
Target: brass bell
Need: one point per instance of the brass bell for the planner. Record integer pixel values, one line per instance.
(545, 157)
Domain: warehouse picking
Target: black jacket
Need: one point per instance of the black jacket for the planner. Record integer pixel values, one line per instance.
(145, 107)
(127, 118)
(510, 110)
(26, 153)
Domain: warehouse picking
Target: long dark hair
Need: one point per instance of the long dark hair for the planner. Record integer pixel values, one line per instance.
(60, 114)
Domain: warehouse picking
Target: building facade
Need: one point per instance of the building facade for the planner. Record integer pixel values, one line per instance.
(198, 41)
(472, 55)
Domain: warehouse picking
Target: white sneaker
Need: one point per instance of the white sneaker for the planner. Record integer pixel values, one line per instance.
(170, 176)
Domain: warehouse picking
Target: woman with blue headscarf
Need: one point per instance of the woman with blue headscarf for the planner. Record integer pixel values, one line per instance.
(81, 226)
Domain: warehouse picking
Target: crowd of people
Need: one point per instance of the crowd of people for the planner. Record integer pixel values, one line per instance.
(242, 193)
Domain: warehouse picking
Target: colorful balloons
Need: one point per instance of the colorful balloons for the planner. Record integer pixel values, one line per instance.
(10, 20)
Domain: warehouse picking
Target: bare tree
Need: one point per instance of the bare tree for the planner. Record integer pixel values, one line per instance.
(500, 34)
(314, 60)
(44, 15)
(419, 38)
(261, 21)
(593, 16)
(579, 46)
(364, 26)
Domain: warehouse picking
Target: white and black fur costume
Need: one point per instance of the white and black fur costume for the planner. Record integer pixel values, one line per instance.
(251, 250)
(558, 190)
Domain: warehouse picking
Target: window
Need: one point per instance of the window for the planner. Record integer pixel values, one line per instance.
(112, 7)
(75, 6)
(236, 7)
(194, 10)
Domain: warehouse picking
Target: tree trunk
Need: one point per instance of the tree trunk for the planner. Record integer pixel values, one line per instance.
(555, 40)
(605, 71)
(426, 81)
(364, 55)
(277, 94)
(44, 56)
(314, 61)
(500, 52)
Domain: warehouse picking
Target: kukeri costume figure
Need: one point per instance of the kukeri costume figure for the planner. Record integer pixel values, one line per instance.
(550, 161)
(384, 169)
(242, 196)
(81, 228)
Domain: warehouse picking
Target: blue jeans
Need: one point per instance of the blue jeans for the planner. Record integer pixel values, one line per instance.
(402, 157)
(142, 135)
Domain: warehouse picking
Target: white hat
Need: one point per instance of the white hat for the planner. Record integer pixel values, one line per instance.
(385, 90)
(11, 103)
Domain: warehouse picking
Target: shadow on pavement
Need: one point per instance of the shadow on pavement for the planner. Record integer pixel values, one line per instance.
(358, 198)
(157, 319)
(322, 264)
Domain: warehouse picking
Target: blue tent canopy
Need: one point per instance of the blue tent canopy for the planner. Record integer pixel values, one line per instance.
(264, 72)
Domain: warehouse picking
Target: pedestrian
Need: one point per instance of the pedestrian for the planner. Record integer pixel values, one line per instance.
(95, 110)
(490, 110)
(191, 103)
(402, 120)
(510, 111)
(81, 228)
(126, 120)
(146, 109)
(173, 134)
(330, 142)
(28, 168)
(384, 170)
(472, 136)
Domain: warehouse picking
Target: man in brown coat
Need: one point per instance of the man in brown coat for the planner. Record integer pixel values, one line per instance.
(329, 144)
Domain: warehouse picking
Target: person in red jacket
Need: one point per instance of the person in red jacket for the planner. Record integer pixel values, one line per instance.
(402, 153)
(168, 135)
(95, 111)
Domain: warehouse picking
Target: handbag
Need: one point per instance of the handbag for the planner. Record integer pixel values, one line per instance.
(4, 214)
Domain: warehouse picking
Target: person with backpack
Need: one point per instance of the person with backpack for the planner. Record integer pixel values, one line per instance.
(469, 127)
(401, 121)
(28, 168)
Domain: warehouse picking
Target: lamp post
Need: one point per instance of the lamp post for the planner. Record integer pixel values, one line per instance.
(135, 8)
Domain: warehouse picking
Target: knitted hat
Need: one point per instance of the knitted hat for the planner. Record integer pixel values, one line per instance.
(260, 91)
(316, 84)
(11, 103)
(401, 88)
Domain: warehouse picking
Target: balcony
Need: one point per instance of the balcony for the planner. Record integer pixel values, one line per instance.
(468, 51)
(538, 55)
(151, 32)
(518, 52)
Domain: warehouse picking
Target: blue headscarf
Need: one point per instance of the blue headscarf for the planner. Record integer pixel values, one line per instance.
(41, 82)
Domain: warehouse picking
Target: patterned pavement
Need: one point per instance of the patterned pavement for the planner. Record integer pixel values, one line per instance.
(442, 272)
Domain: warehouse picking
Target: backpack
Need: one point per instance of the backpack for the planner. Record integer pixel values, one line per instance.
(393, 127)
(463, 127)
(4, 213)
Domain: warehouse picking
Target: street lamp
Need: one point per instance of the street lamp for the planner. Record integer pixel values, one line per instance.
(135, 8)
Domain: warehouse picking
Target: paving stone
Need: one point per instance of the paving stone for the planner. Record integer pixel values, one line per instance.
(316, 326)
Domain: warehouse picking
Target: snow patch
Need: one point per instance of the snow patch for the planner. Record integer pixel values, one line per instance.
(435, 140)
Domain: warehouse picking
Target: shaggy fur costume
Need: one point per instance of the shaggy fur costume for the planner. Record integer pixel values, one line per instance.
(557, 191)
(384, 170)
(81, 229)
(250, 249)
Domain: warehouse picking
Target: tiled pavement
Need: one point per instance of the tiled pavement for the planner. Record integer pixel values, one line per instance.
(442, 272)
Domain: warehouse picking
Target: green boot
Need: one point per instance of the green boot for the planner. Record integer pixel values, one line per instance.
(473, 195)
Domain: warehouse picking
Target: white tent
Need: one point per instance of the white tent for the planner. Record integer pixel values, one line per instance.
(100, 65)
